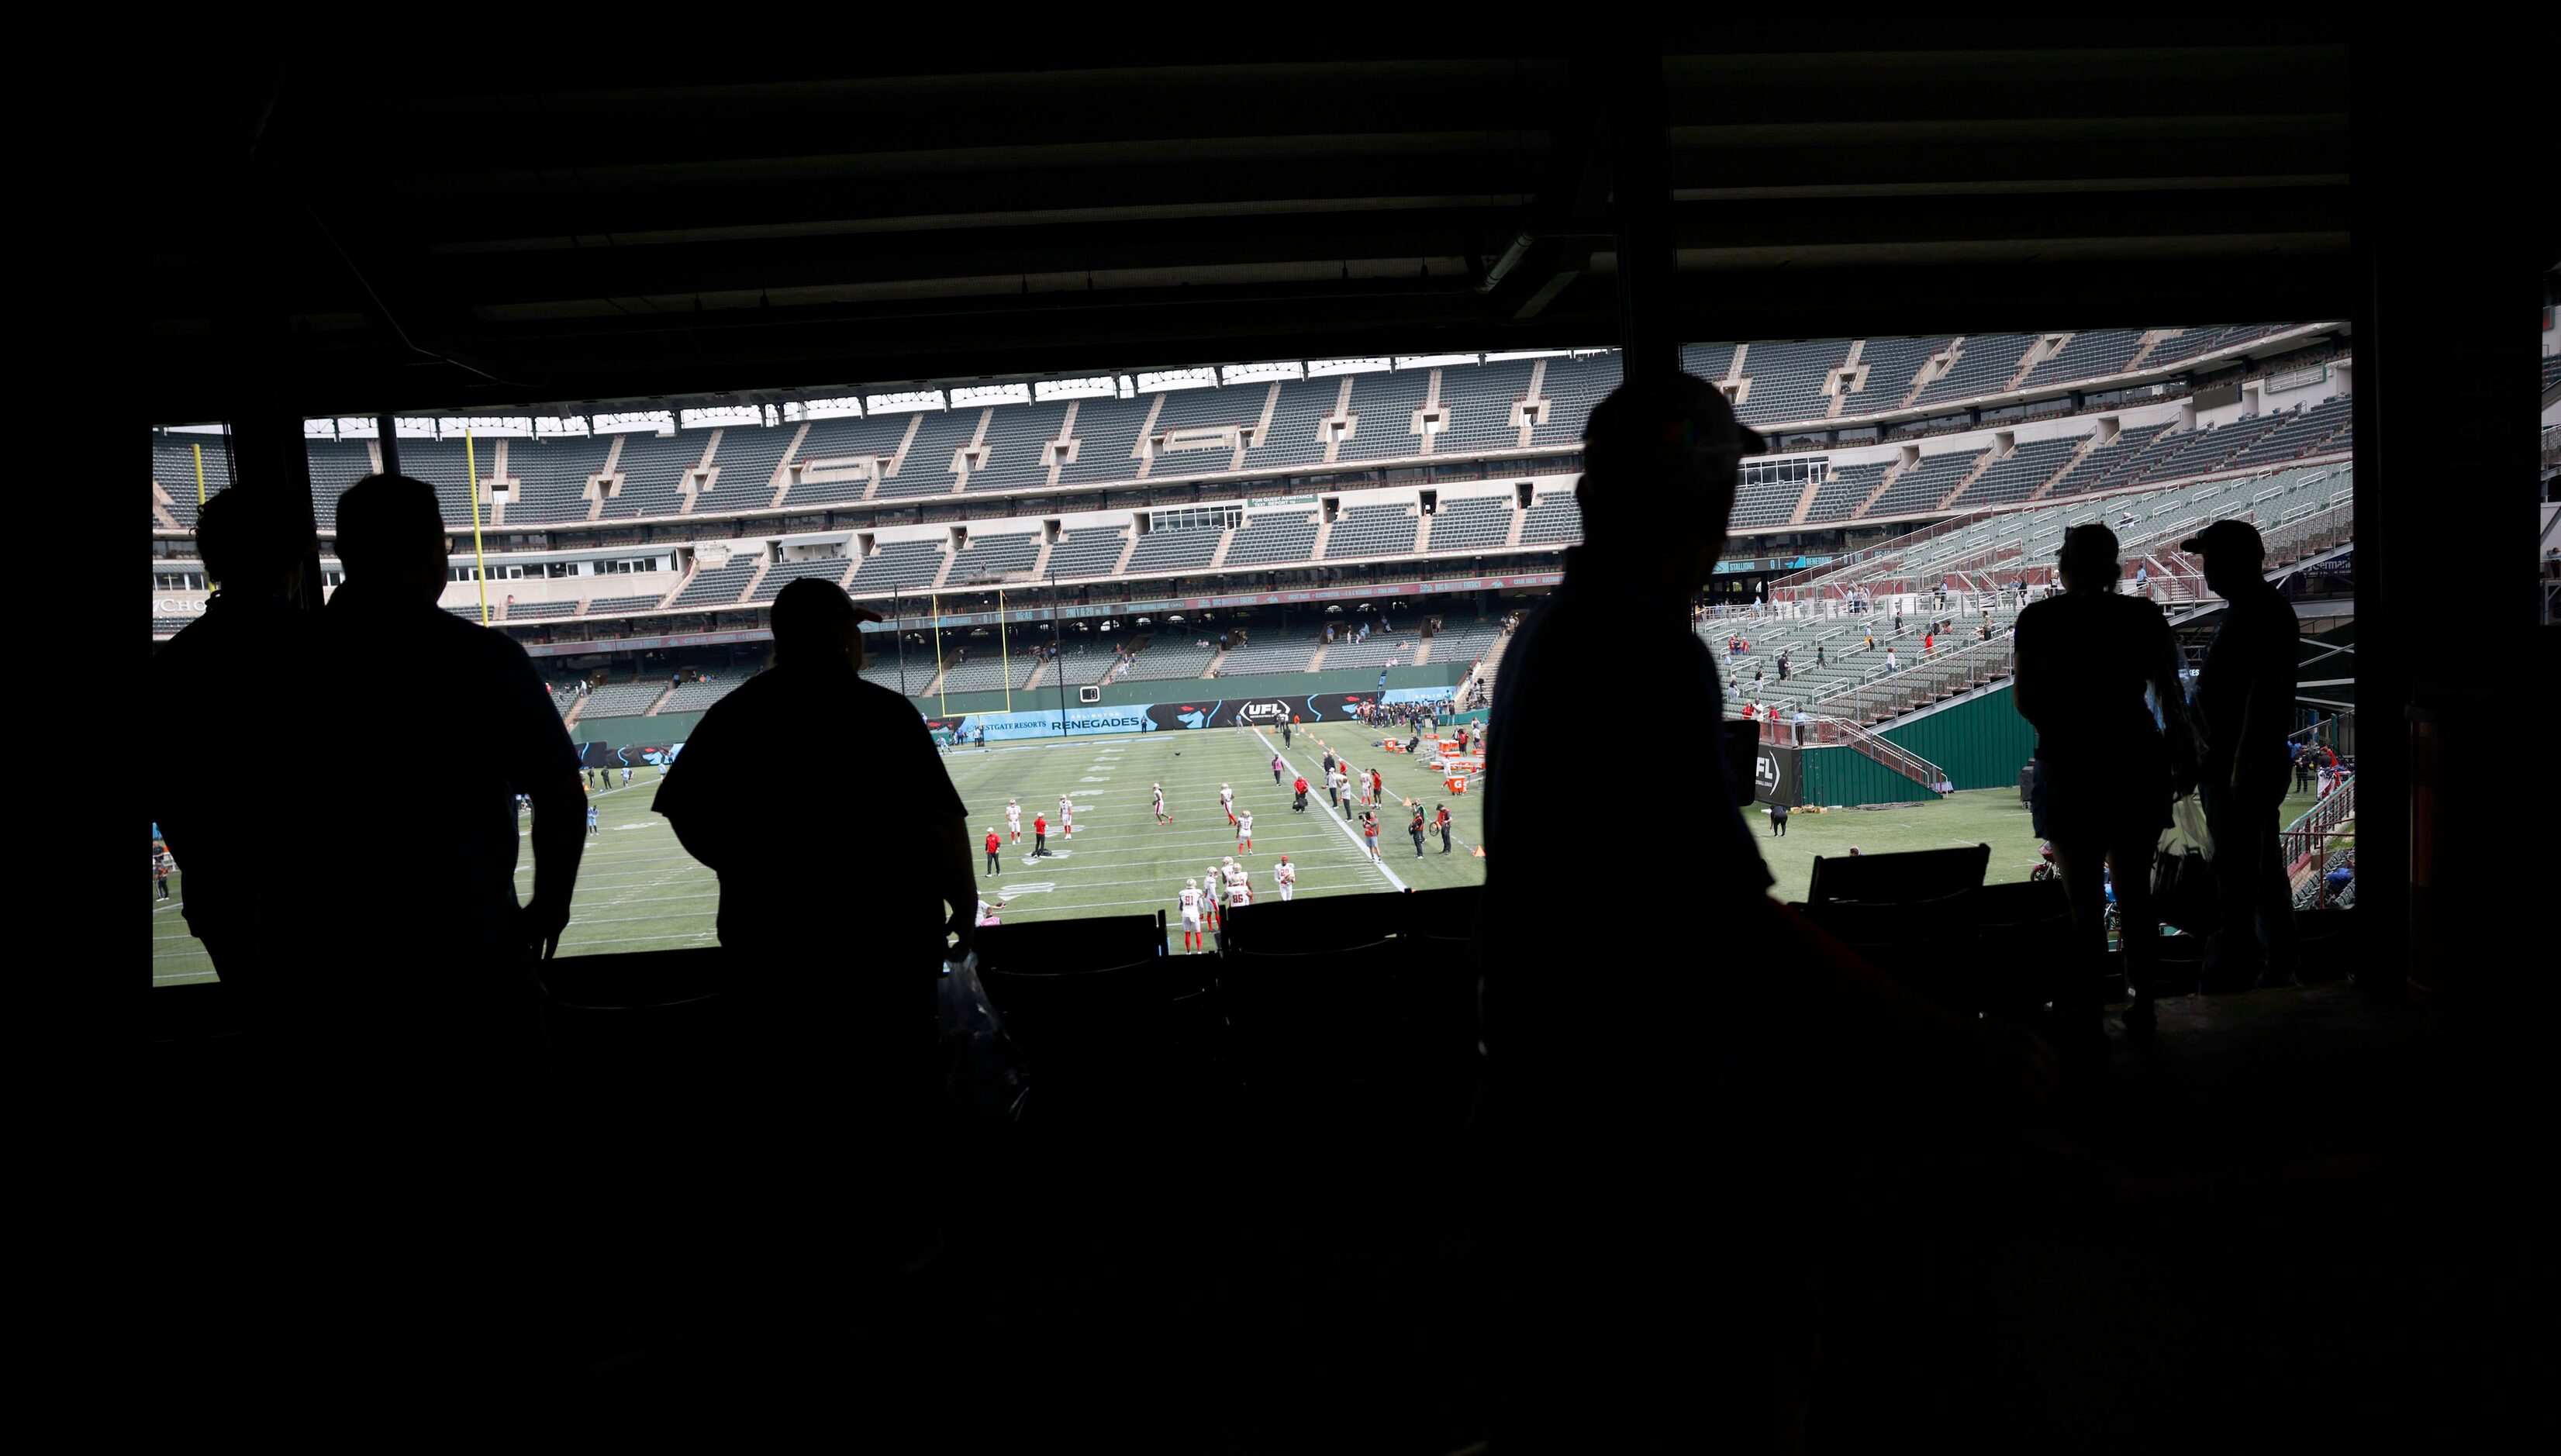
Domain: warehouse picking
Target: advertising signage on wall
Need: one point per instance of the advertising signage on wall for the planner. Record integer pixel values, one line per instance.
(1773, 774)
(627, 755)
(1206, 713)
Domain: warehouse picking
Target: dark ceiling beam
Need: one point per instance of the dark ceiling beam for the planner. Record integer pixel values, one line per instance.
(694, 354)
(450, 287)
(2030, 83)
(547, 210)
(703, 120)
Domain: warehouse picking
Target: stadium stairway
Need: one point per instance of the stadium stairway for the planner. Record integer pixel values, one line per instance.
(684, 578)
(1318, 660)
(1211, 670)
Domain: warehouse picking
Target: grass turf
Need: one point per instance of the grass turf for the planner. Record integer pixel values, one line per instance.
(639, 891)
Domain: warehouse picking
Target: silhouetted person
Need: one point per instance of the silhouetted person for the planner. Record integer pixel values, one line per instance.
(233, 714)
(2105, 770)
(432, 1072)
(2244, 697)
(1594, 1156)
(835, 990)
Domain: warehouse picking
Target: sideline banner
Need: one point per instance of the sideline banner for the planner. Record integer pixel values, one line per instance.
(1773, 774)
(1197, 713)
(627, 755)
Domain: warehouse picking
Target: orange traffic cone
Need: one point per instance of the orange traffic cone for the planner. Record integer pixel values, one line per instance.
(1481, 852)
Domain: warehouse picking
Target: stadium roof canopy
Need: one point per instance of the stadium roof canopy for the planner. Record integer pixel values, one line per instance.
(456, 239)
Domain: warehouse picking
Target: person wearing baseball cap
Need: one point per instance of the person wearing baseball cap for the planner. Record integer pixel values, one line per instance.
(2245, 699)
(1581, 1191)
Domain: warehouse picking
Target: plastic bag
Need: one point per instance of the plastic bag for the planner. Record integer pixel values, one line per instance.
(964, 1010)
(985, 1080)
(2183, 891)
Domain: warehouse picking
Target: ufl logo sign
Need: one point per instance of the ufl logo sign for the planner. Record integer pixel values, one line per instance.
(1267, 710)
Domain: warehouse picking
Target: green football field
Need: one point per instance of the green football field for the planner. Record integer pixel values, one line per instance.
(639, 891)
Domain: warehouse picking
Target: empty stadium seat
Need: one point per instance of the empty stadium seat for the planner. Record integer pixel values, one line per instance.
(1271, 538)
(1472, 524)
(1368, 530)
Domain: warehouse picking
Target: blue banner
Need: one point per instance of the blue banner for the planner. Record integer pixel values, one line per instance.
(999, 726)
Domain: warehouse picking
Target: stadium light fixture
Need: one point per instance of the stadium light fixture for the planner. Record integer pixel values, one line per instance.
(720, 414)
(908, 404)
(484, 427)
(972, 395)
(1096, 388)
(649, 422)
(1326, 368)
(1167, 380)
(554, 427)
(1254, 374)
(796, 411)
(1433, 361)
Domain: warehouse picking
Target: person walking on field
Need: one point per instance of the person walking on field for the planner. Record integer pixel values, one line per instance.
(1040, 835)
(1779, 819)
(1276, 770)
(1369, 833)
(1442, 820)
(993, 844)
(1415, 828)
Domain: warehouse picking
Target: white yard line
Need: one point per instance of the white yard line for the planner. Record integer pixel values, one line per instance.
(1344, 825)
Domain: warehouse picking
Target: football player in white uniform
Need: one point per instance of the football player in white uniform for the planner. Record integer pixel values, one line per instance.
(1067, 816)
(1190, 902)
(1216, 890)
(1159, 791)
(1286, 875)
(1227, 801)
(1245, 833)
(1015, 821)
